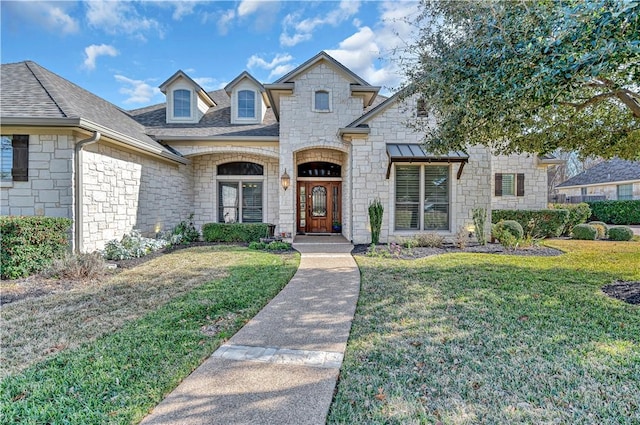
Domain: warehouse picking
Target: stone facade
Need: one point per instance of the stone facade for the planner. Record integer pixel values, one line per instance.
(535, 183)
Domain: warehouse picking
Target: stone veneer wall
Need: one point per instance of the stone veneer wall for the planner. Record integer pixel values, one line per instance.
(369, 178)
(124, 190)
(535, 182)
(49, 190)
(302, 129)
(206, 187)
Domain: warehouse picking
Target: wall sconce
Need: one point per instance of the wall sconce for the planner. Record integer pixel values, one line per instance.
(285, 180)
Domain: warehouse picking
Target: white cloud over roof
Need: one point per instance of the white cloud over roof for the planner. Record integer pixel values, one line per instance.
(92, 52)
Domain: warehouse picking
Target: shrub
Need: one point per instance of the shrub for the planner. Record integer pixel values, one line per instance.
(187, 231)
(585, 232)
(479, 220)
(429, 240)
(77, 266)
(512, 227)
(30, 244)
(616, 212)
(620, 233)
(601, 228)
(547, 223)
(578, 214)
(375, 218)
(504, 235)
(234, 232)
(257, 245)
(132, 245)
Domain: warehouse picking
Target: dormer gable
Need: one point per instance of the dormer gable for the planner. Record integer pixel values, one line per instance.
(249, 101)
(187, 102)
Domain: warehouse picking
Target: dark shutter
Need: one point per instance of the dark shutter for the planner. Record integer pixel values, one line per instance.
(520, 185)
(20, 170)
(498, 190)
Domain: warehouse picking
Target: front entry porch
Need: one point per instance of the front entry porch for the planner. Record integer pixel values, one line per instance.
(319, 207)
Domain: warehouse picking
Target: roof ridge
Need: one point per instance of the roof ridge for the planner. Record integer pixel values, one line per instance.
(66, 109)
(39, 76)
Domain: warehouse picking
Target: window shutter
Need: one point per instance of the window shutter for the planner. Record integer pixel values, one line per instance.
(20, 170)
(498, 189)
(520, 185)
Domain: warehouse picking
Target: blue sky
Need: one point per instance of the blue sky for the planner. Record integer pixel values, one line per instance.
(122, 51)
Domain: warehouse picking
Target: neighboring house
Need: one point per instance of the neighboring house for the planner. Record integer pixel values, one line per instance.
(225, 156)
(615, 179)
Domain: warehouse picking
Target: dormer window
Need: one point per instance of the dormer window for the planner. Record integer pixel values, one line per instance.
(246, 104)
(321, 101)
(181, 103)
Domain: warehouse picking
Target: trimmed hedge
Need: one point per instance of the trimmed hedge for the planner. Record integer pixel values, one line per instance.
(30, 244)
(620, 233)
(616, 212)
(578, 214)
(234, 232)
(584, 232)
(535, 223)
(602, 228)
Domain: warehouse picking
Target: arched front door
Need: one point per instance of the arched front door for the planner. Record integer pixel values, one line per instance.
(319, 206)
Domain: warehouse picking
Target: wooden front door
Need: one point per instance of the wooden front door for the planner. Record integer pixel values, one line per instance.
(319, 206)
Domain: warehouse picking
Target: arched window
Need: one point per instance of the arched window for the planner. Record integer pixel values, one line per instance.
(181, 103)
(246, 104)
(321, 101)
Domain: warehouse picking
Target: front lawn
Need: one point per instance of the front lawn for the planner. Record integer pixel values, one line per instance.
(488, 339)
(110, 352)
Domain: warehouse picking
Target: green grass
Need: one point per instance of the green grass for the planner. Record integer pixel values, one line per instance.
(490, 339)
(119, 377)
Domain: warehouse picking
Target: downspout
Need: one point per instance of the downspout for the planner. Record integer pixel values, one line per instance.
(77, 163)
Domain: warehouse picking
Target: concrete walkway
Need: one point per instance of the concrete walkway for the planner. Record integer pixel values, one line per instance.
(282, 366)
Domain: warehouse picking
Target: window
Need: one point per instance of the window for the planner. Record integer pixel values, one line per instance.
(429, 194)
(321, 101)
(240, 202)
(240, 199)
(625, 191)
(181, 103)
(246, 104)
(421, 109)
(509, 184)
(14, 159)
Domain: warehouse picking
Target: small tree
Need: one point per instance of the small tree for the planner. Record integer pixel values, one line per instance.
(375, 218)
(479, 220)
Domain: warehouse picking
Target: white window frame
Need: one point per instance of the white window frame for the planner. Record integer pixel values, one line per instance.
(514, 177)
(421, 198)
(626, 186)
(173, 106)
(255, 108)
(330, 100)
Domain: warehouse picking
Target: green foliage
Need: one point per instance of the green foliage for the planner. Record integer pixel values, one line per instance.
(535, 223)
(30, 244)
(601, 228)
(429, 240)
(578, 214)
(620, 233)
(132, 245)
(234, 232)
(528, 76)
(375, 218)
(186, 231)
(479, 221)
(505, 236)
(585, 232)
(512, 227)
(271, 246)
(617, 212)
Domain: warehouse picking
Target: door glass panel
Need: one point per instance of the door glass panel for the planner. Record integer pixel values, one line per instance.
(335, 204)
(303, 206)
(228, 201)
(319, 201)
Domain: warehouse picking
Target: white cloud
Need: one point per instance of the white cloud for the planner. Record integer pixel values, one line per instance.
(302, 30)
(138, 91)
(96, 50)
(51, 15)
(279, 65)
(209, 83)
(225, 21)
(114, 17)
(247, 7)
(182, 8)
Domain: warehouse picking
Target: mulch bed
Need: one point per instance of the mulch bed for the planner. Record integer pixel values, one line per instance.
(628, 292)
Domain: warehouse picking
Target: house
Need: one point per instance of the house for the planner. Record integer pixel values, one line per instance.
(615, 179)
(309, 150)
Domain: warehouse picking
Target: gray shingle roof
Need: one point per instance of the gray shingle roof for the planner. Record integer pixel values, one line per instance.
(614, 170)
(31, 91)
(216, 122)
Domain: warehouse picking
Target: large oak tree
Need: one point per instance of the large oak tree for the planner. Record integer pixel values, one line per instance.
(529, 76)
